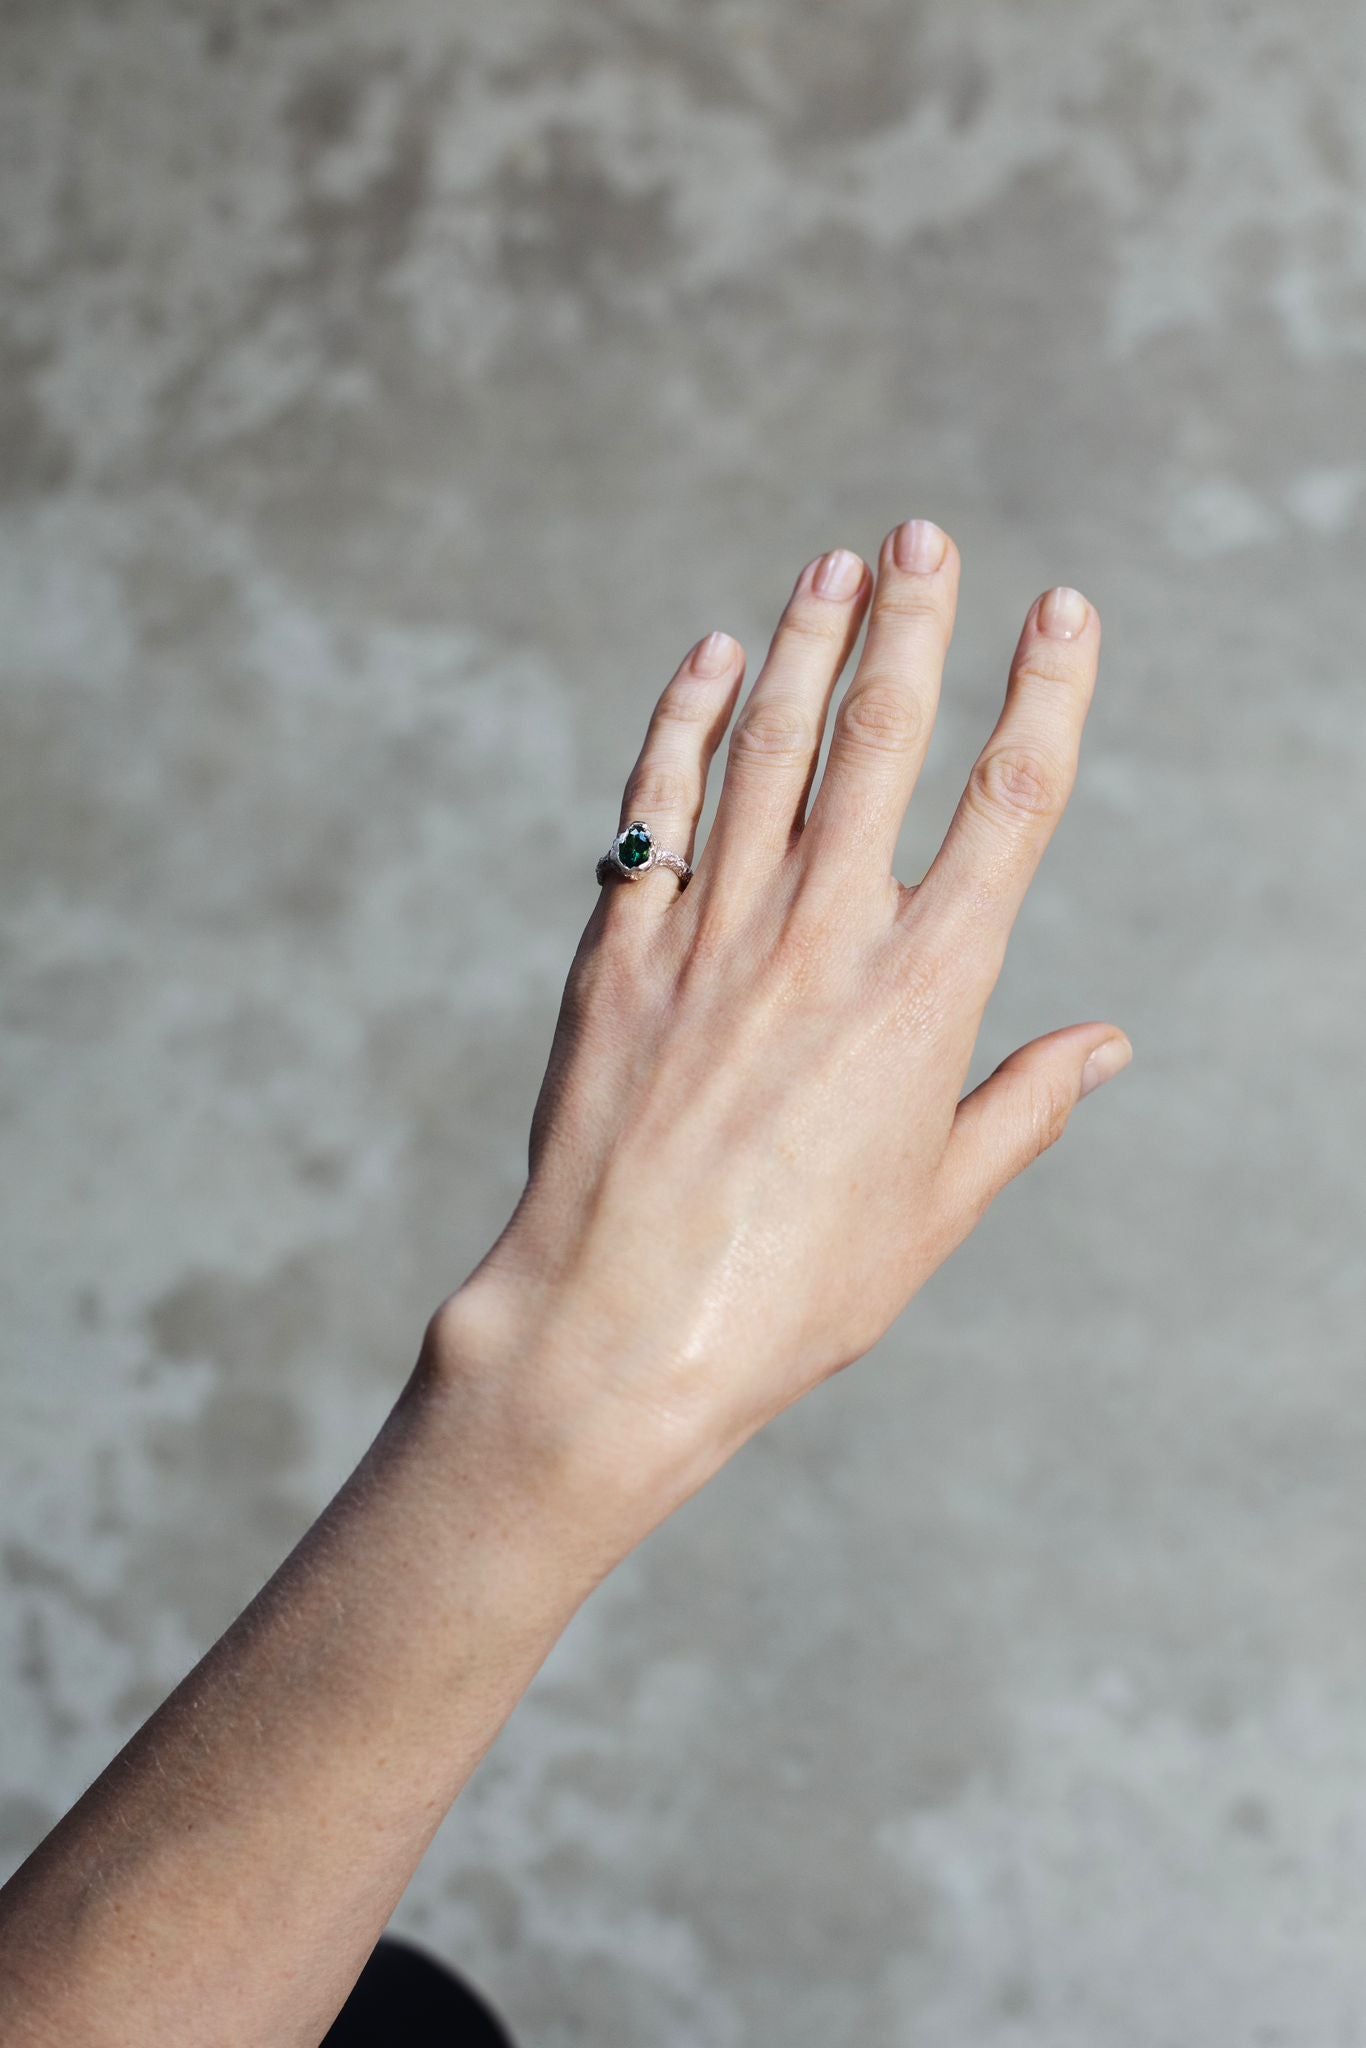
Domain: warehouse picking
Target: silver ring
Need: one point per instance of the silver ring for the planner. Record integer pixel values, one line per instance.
(634, 852)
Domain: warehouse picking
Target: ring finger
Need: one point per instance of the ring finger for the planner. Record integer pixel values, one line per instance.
(665, 788)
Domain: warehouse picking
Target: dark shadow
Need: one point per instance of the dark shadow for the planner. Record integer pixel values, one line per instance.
(404, 1999)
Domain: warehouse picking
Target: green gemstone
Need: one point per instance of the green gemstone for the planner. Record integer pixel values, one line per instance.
(633, 849)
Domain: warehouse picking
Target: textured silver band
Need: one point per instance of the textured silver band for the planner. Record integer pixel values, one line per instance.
(675, 864)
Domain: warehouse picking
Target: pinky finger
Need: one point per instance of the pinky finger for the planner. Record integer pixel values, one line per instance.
(1024, 1107)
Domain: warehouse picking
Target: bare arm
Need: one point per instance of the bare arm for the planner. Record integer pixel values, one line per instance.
(748, 1153)
(240, 1857)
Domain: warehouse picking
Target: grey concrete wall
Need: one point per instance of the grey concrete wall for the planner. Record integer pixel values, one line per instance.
(390, 394)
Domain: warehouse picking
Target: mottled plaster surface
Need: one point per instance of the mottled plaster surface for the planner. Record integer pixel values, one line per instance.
(389, 394)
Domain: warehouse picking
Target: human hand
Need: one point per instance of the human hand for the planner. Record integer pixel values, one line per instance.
(749, 1150)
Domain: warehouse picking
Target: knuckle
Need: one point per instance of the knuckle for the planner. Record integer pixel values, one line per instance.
(683, 703)
(911, 602)
(771, 730)
(880, 717)
(1016, 783)
(595, 964)
(926, 992)
(800, 958)
(657, 787)
(616, 971)
(1053, 667)
(1052, 1112)
(824, 623)
(710, 943)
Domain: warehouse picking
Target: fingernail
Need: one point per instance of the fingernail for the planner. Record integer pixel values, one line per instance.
(1105, 1062)
(713, 656)
(919, 545)
(1063, 613)
(838, 574)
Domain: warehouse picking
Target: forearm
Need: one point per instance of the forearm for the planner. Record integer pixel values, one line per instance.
(244, 1852)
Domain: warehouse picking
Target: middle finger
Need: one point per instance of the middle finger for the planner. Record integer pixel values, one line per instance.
(882, 728)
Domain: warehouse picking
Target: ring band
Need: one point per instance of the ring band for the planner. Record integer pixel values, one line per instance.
(634, 852)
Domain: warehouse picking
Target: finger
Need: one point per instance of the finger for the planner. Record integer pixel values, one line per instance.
(883, 726)
(666, 787)
(772, 755)
(1023, 1108)
(1020, 784)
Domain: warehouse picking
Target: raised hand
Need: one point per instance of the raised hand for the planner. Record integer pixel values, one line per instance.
(749, 1150)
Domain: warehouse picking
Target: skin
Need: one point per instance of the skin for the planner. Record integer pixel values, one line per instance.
(748, 1153)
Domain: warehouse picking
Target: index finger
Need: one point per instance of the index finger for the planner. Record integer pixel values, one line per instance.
(1021, 781)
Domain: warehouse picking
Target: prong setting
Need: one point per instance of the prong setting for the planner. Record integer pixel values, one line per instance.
(633, 850)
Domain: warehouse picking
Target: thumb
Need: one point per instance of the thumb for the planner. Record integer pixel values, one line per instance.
(1024, 1107)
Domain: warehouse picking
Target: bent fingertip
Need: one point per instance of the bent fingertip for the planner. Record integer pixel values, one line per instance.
(714, 654)
(1106, 1060)
(919, 546)
(1063, 613)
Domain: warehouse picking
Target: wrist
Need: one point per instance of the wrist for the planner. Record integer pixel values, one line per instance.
(527, 1391)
